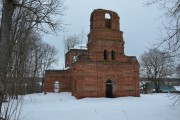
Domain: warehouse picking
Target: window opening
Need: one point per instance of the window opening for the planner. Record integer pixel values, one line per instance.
(107, 20)
(105, 55)
(107, 16)
(56, 86)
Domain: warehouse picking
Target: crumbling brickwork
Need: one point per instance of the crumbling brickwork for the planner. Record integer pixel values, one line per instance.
(102, 70)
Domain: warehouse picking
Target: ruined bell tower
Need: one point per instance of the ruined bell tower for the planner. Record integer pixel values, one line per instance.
(105, 40)
(101, 70)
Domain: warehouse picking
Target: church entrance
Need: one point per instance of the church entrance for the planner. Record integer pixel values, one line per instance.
(109, 88)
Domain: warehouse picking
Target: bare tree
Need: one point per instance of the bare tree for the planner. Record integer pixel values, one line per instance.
(48, 60)
(156, 65)
(78, 40)
(42, 57)
(36, 14)
(30, 58)
(49, 57)
(71, 42)
(171, 24)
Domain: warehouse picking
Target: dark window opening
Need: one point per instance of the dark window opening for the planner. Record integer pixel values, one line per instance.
(105, 54)
(113, 55)
(108, 23)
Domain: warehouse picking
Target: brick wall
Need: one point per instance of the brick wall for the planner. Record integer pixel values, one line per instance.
(62, 76)
(91, 78)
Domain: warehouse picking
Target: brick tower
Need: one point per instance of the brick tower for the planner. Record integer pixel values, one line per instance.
(105, 40)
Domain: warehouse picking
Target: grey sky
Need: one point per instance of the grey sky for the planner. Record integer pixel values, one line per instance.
(140, 24)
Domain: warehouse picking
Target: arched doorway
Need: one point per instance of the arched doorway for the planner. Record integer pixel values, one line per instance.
(56, 86)
(109, 88)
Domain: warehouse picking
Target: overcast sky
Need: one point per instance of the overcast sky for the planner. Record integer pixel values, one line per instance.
(140, 24)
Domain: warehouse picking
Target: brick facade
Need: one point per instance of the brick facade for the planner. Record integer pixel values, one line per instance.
(102, 70)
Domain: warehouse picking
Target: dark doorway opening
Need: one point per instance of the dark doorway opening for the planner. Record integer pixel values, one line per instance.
(109, 89)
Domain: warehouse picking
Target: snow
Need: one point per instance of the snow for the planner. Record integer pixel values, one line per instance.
(66, 68)
(177, 88)
(63, 106)
(80, 46)
(75, 58)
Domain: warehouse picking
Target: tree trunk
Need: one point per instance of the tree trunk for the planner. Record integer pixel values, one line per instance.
(6, 23)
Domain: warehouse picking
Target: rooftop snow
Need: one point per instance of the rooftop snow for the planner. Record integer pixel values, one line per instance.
(80, 46)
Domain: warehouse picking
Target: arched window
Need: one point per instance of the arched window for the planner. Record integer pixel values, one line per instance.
(105, 54)
(107, 16)
(113, 55)
(56, 86)
(107, 20)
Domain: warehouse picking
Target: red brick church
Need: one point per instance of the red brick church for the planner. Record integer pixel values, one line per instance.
(101, 70)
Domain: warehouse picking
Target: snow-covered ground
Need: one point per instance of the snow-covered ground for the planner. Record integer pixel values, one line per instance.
(177, 88)
(63, 106)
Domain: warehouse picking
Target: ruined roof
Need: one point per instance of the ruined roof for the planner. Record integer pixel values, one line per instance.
(104, 11)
